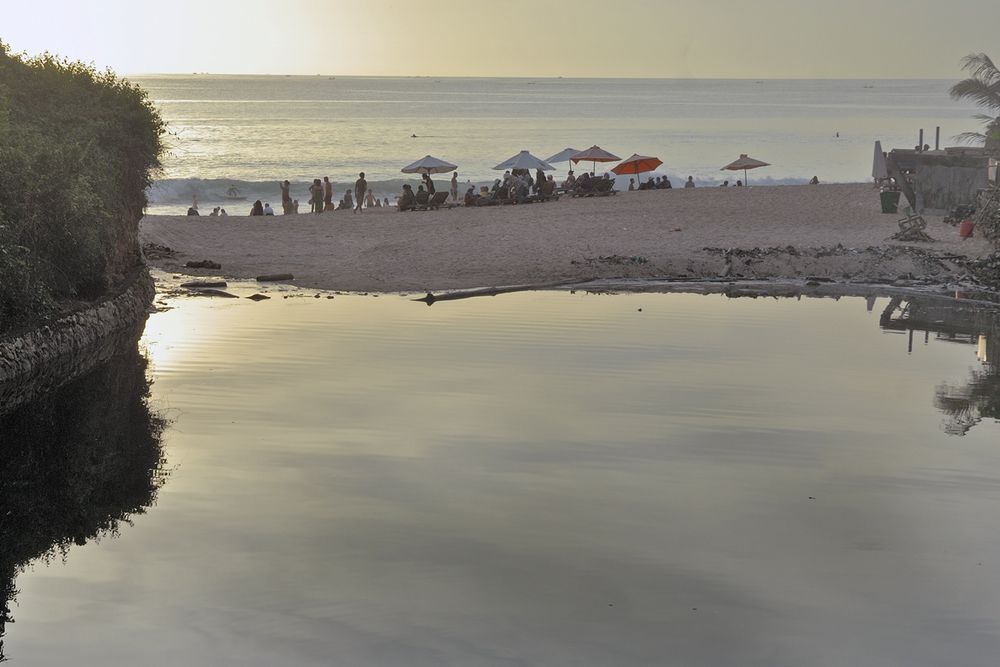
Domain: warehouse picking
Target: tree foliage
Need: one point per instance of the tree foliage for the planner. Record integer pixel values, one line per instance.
(983, 89)
(77, 151)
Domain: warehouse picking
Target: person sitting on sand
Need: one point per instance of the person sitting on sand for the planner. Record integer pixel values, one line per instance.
(666, 184)
(267, 209)
(570, 181)
(257, 208)
(193, 211)
(347, 201)
(470, 196)
(378, 203)
(385, 202)
(422, 197)
(739, 183)
(814, 181)
(583, 183)
(406, 201)
(214, 213)
(295, 206)
(725, 184)
(690, 182)
(222, 213)
(370, 199)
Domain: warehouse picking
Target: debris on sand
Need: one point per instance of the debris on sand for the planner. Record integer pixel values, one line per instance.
(204, 264)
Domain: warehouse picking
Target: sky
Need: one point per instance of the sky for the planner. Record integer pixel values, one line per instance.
(576, 38)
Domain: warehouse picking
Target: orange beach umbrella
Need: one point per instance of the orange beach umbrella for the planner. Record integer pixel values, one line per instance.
(742, 164)
(637, 164)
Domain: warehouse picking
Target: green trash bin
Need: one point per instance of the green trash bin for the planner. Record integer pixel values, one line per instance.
(890, 201)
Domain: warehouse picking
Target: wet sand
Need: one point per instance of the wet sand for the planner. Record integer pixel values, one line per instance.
(828, 231)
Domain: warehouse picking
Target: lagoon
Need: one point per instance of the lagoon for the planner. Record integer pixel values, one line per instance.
(559, 478)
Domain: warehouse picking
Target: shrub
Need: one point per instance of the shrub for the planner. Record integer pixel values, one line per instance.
(77, 151)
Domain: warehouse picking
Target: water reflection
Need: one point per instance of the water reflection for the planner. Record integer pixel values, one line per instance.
(965, 405)
(75, 465)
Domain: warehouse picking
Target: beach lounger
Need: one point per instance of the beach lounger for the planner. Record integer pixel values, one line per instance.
(437, 201)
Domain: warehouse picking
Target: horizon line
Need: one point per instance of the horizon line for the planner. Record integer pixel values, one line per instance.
(547, 76)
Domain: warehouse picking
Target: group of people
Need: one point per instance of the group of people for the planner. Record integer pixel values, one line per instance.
(657, 183)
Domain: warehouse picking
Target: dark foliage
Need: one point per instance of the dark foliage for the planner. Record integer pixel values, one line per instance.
(76, 464)
(77, 150)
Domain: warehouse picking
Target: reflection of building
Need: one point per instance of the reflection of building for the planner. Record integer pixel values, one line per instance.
(958, 322)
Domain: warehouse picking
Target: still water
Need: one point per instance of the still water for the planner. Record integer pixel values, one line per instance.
(542, 478)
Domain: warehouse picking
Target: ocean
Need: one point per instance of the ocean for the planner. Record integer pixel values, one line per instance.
(253, 131)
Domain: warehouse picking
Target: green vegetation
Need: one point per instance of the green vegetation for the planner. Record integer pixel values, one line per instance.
(77, 149)
(982, 88)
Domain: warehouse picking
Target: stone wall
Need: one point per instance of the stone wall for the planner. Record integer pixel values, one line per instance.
(51, 355)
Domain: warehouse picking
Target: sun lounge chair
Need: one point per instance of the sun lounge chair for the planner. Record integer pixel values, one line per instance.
(437, 201)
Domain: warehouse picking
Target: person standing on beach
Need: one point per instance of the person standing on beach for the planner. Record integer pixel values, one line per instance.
(454, 186)
(360, 189)
(690, 182)
(286, 198)
(316, 196)
(327, 194)
(429, 183)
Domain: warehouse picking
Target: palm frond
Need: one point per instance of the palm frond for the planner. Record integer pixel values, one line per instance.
(981, 66)
(982, 94)
(970, 138)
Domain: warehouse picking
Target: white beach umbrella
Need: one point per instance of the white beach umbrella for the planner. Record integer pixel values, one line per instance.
(880, 171)
(524, 160)
(429, 164)
(564, 155)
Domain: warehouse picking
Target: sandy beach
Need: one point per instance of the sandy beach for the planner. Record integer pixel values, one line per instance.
(779, 232)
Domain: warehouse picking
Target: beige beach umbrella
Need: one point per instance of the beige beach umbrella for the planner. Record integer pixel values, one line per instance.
(744, 163)
(595, 154)
(524, 160)
(429, 164)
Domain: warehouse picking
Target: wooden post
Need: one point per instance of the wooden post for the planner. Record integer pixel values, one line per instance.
(920, 144)
(937, 138)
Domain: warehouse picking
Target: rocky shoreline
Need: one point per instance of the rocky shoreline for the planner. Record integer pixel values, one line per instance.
(46, 357)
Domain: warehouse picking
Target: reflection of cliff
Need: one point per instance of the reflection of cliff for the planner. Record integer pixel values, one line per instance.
(963, 405)
(75, 464)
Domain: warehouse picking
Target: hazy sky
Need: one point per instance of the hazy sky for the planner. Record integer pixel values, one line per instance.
(661, 38)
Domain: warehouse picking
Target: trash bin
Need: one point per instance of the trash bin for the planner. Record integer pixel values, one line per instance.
(890, 201)
(966, 228)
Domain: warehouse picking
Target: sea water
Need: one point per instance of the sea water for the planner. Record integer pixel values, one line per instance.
(540, 478)
(253, 131)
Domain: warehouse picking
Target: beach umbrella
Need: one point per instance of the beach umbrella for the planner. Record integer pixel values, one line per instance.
(595, 154)
(880, 171)
(524, 160)
(744, 163)
(637, 164)
(564, 155)
(429, 164)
